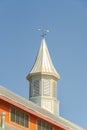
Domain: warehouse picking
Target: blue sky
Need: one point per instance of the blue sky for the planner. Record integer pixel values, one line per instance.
(66, 41)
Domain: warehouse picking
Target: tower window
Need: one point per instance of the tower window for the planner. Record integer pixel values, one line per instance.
(19, 117)
(46, 87)
(42, 125)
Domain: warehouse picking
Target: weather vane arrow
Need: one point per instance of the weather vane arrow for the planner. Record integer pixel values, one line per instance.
(43, 32)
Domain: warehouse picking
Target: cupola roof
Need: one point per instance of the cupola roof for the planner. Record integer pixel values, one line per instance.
(43, 63)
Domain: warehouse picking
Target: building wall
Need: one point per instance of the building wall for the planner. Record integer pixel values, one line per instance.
(5, 107)
(33, 121)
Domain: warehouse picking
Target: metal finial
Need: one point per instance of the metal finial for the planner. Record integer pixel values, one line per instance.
(44, 32)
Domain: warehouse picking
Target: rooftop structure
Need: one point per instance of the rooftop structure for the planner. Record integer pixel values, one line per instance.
(41, 111)
(43, 81)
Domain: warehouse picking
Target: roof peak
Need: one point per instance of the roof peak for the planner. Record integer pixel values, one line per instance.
(43, 63)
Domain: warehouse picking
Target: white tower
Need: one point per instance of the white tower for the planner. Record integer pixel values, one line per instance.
(43, 81)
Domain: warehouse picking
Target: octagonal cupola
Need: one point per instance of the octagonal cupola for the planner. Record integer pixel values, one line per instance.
(43, 81)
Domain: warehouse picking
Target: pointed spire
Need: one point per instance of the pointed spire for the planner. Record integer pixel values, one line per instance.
(43, 63)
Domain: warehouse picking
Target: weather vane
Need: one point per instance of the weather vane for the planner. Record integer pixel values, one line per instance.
(43, 32)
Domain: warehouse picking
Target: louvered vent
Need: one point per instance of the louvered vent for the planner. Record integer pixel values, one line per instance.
(36, 88)
(46, 87)
(54, 89)
(31, 89)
